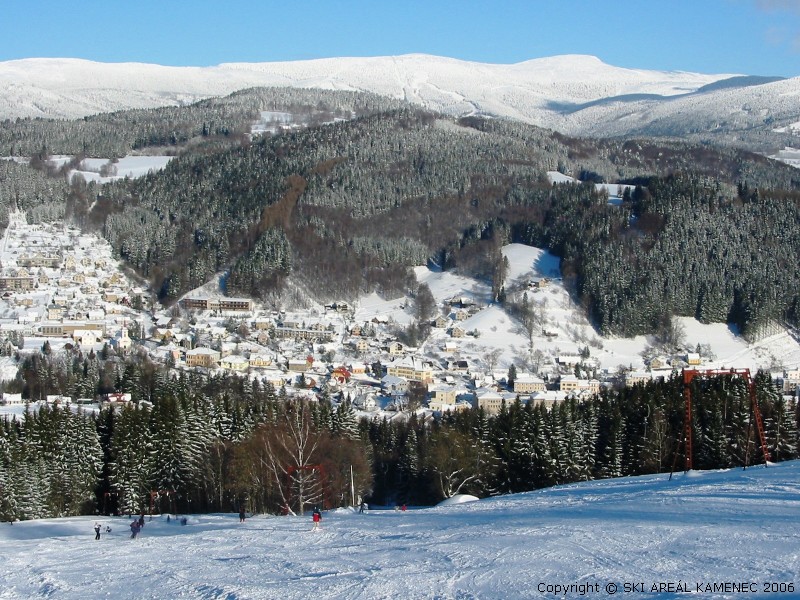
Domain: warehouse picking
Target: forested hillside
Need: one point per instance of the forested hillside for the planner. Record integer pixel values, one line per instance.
(41, 197)
(346, 208)
(119, 133)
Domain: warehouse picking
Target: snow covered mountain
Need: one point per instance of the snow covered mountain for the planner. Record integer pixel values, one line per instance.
(574, 93)
(639, 536)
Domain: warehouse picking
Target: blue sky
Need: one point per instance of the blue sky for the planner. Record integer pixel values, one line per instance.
(759, 37)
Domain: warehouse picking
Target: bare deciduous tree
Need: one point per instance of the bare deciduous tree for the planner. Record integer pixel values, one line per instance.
(291, 453)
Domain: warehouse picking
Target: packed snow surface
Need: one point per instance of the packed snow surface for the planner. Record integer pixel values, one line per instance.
(701, 530)
(458, 499)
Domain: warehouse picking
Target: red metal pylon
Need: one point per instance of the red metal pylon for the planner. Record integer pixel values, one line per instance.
(688, 376)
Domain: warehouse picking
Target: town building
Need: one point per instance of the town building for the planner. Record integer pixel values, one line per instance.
(411, 368)
(202, 357)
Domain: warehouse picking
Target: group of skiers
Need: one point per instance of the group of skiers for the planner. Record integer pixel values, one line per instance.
(98, 528)
(138, 524)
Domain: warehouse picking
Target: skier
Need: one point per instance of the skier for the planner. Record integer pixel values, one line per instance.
(135, 527)
(316, 516)
(108, 529)
(241, 516)
(362, 507)
(141, 521)
(97, 531)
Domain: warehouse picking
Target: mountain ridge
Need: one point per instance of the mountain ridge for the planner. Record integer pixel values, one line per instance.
(574, 94)
(389, 75)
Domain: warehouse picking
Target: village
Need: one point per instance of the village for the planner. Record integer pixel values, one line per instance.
(63, 289)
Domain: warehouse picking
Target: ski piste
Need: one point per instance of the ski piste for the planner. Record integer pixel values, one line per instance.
(495, 548)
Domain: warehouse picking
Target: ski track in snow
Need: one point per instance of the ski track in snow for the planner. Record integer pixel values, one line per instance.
(710, 526)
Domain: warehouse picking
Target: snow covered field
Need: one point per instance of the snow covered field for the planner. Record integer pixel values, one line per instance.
(92, 169)
(566, 323)
(791, 156)
(704, 531)
(103, 170)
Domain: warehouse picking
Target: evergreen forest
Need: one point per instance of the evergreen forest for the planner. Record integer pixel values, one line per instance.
(222, 443)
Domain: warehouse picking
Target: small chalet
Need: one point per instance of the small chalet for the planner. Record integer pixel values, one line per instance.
(234, 363)
(357, 368)
(693, 359)
(442, 394)
(360, 344)
(58, 400)
(659, 362)
(441, 322)
(85, 338)
(260, 360)
(569, 360)
(392, 384)
(365, 401)
(458, 366)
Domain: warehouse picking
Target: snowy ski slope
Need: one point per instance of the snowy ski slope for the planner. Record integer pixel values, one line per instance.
(703, 531)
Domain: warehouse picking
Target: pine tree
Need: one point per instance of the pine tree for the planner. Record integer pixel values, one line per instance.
(512, 376)
(781, 435)
(129, 469)
(8, 500)
(167, 452)
(85, 463)
(587, 436)
(346, 421)
(521, 456)
(487, 463)
(199, 439)
(409, 468)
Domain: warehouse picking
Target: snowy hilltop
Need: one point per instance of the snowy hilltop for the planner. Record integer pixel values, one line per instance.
(73, 88)
(714, 534)
(574, 94)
